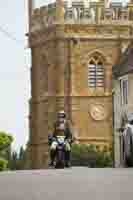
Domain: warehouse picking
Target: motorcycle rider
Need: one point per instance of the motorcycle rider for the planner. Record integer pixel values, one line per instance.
(69, 140)
(53, 142)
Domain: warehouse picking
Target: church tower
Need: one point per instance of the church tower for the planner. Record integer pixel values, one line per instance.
(74, 45)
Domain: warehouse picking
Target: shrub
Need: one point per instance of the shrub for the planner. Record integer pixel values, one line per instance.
(3, 164)
(91, 155)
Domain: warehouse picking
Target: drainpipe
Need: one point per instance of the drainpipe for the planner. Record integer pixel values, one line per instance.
(67, 92)
(113, 132)
(30, 10)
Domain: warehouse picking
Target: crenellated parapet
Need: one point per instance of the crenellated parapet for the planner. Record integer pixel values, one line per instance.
(43, 17)
(81, 12)
(97, 12)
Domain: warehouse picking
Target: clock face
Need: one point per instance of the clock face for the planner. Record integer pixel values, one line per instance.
(98, 112)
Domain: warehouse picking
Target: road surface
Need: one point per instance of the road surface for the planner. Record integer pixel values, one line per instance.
(69, 184)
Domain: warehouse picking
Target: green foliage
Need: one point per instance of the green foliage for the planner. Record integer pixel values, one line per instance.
(5, 140)
(3, 164)
(91, 155)
(5, 150)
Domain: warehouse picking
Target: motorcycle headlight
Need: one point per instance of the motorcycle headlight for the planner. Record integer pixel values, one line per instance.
(60, 140)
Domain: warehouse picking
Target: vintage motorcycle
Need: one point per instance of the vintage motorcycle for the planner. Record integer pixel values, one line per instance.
(61, 160)
(60, 152)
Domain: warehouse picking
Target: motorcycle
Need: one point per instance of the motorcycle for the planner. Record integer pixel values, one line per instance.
(60, 152)
(61, 156)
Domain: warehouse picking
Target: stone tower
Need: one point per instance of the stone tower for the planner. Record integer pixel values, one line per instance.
(74, 45)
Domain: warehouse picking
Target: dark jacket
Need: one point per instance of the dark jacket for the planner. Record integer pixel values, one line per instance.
(68, 133)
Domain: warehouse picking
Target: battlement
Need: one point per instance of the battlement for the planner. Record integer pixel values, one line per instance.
(81, 13)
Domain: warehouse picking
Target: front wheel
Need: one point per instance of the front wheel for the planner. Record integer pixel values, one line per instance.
(60, 159)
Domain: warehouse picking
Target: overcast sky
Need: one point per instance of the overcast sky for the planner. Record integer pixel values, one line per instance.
(14, 69)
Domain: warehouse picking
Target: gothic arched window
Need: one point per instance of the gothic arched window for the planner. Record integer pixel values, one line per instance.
(96, 72)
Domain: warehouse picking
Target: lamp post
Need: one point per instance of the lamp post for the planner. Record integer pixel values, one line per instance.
(67, 91)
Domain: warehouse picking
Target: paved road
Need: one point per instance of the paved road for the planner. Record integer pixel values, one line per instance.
(72, 184)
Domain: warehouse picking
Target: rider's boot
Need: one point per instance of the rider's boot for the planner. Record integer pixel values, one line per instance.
(67, 159)
(52, 157)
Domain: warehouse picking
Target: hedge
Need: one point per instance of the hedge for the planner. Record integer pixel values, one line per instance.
(3, 164)
(91, 156)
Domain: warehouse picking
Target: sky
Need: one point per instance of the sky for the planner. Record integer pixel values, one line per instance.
(38, 3)
(15, 69)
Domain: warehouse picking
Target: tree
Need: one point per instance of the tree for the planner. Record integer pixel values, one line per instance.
(3, 164)
(18, 160)
(5, 140)
(14, 161)
(21, 153)
(21, 158)
(5, 144)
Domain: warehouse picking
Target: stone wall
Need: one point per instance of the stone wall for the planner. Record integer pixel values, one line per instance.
(59, 79)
